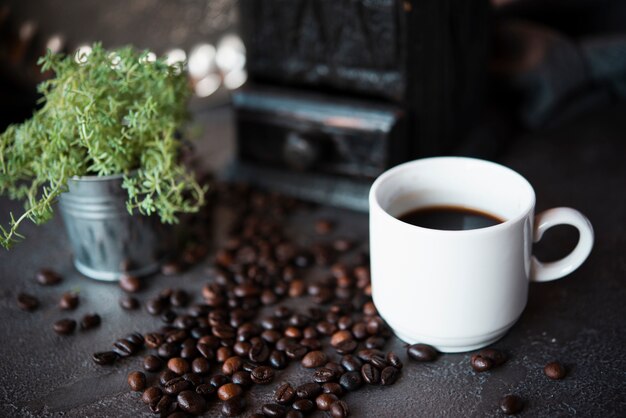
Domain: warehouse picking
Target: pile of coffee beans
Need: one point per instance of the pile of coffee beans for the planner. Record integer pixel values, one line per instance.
(240, 335)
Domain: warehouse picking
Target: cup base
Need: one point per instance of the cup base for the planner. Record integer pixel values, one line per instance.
(454, 345)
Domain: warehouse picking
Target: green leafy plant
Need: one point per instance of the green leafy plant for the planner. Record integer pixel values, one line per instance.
(108, 112)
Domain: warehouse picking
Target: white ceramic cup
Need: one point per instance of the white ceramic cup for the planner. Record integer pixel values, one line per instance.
(460, 290)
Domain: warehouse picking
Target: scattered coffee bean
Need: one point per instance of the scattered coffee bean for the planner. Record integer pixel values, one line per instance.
(389, 375)
(129, 303)
(27, 302)
(394, 360)
(130, 284)
(151, 395)
(104, 358)
(339, 409)
(152, 363)
(496, 356)
(205, 389)
(176, 386)
(422, 352)
(351, 381)
(274, 410)
(166, 375)
(229, 390)
(511, 404)
(200, 365)
(324, 401)
(554, 370)
(47, 277)
(262, 375)
(292, 413)
(90, 321)
(234, 406)
(304, 405)
(178, 365)
(351, 363)
(242, 378)
(324, 226)
(370, 374)
(191, 402)
(308, 391)
(285, 394)
(324, 375)
(64, 326)
(314, 359)
(481, 364)
(124, 348)
(69, 301)
(136, 381)
(332, 387)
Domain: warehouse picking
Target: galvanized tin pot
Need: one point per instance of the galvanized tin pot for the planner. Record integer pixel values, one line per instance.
(106, 240)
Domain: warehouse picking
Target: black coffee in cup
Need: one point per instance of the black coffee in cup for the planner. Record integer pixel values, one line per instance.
(449, 218)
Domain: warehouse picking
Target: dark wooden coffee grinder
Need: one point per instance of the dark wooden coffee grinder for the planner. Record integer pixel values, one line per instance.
(341, 90)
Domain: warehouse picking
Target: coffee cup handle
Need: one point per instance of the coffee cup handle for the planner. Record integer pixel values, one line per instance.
(545, 272)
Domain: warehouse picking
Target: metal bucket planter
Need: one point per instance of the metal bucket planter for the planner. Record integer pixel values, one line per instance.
(106, 240)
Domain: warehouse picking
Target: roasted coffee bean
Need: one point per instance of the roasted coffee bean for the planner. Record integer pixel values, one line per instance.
(190, 402)
(342, 245)
(511, 404)
(308, 391)
(176, 385)
(248, 366)
(278, 360)
(242, 378)
(205, 351)
(151, 395)
(163, 406)
(136, 381)
(285, 394)
(339, 409)
(225, 332)
(168, 350)
(231, 365)
(64, 326)
(293, 332)
(205, 389)
(179, 298)
(130, 284)
(218, 380)
(155, 306)
(136, 339)
(351, 363)
(200, 365)
(311, 343)
(394, 360)
(178, 365)
(481, 364)
(351, 381)
(178, 414)
(359, 331)
(27, 302)
(370, 374)
(153, 340)
(189, 352)
(324, 226)
(129, 303)
(324, 401)
(422, 352)
(168, 316)
(389, 375)
(69, 301)
(340, 336)
(346, 347)
(375, 342)
(496, 356)
(379, 362)
(228, 391)
(90, 321)
(124, 348)
(242, 348)
(295, 351)
(294, 414)
(274, 410)
(259, 353)
(104, 358)
(193, 378)
(167, 375)
(314, 359)
(332, 387)
(554, 370)
(262, 375)
(367, 354)
(184, 322)
(234, 406)
(304, 405)
(47, 277)
(152, 363)
(324, 375)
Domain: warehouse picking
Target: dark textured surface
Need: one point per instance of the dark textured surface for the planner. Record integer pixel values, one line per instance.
(580, 320)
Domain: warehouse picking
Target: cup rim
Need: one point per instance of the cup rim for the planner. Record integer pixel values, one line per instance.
(375, 204)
